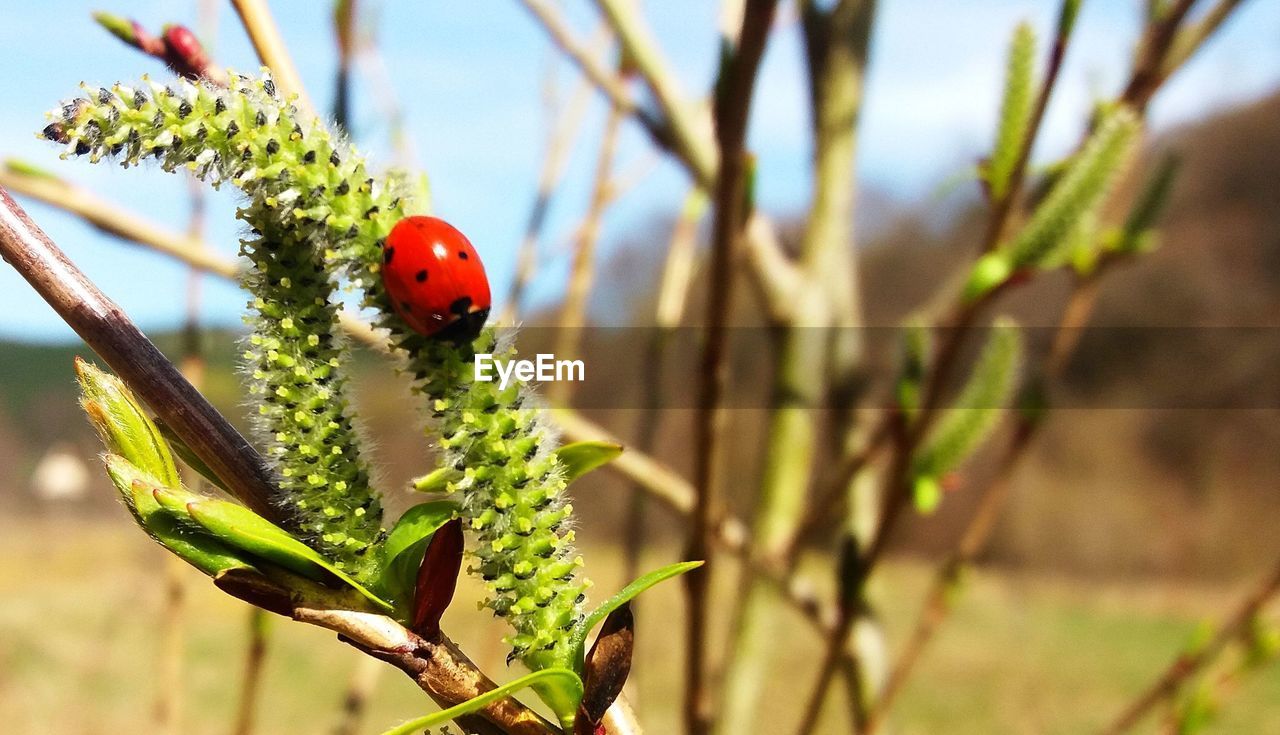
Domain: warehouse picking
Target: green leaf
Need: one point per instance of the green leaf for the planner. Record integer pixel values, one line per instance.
(123, 424)
(1015, 111)
(973, 415)
(403, 549)
(187, 456)
(241, 528)
(579, 458)
(194, 547)
(626, 595)
(561, 678)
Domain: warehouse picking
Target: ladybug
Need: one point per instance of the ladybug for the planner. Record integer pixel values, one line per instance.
(435, 279)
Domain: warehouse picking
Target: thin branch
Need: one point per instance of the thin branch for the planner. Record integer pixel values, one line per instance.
(438, 667)
(251, 679)
(108, 331)
(1003, 206)
(344, 31)
(604, 78)
(690, 144)
(732, 107)
(256, 18)
(563, 128)
(673, 292)
(360, 688)
(1149, 69)
(573, 311)
(1186, 665)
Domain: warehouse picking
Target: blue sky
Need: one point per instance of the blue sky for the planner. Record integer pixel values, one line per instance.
(470, 77)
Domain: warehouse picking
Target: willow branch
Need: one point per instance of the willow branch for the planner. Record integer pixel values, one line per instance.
(732, 107)
(256, 18)
(437, 666)
(573, 310)
(1186, 665)
(690, 144)
(563, 130)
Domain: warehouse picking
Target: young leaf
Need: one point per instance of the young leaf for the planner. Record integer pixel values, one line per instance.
(1015, 111)
(240, 527)
(402, 551)
(562, 678)
(437, 578)
(627, 594)
(123, 424)
(187, 456)
(579, 458)
(968, 421)
(1079, 191)
(195, 548)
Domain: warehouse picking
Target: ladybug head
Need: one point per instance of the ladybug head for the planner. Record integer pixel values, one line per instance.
(466, 322)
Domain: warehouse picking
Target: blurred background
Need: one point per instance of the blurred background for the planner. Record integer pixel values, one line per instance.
(1131, 523)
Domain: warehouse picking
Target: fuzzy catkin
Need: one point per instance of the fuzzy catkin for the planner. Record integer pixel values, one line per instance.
(285, 167)
(513, 489)
(316, 214)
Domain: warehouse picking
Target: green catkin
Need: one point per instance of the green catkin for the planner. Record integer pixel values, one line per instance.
(247, 136)
(1015, 110)
(971, 419)
(1079, 192)
(311, 193)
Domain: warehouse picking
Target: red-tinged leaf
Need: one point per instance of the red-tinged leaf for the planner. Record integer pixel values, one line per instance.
(606, 669)
(437, 578)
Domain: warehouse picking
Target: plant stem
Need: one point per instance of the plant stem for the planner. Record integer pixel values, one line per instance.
(251, 681)
(673, 292)
(642, 51)
(1186, 665)
(437, 666)
(256, 18)
(837, 41)
(563, 127)
(108, 331)
(355, 704)
(573, 311)
(732, 106)
(1003, 206)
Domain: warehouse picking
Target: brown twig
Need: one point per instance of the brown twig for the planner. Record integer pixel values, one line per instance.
(1187, 664)
(673, 292)
(251, 679)
(106, 329)
(732, 106)
(355, 704)
(256, 18)
(562, 129)
(1003, 206)
(345, 14)
(573, 311)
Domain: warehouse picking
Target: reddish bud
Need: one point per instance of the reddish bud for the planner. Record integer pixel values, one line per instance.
(184, 53)
(437, 578)
(606, 669)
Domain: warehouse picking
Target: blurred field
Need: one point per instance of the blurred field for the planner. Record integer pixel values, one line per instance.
(1023, 654)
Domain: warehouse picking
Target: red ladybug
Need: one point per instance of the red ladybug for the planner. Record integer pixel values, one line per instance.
(435, 279)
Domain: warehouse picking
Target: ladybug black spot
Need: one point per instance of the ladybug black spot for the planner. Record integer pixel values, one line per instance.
(421, 276)
(388, 254)
(462, 255)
